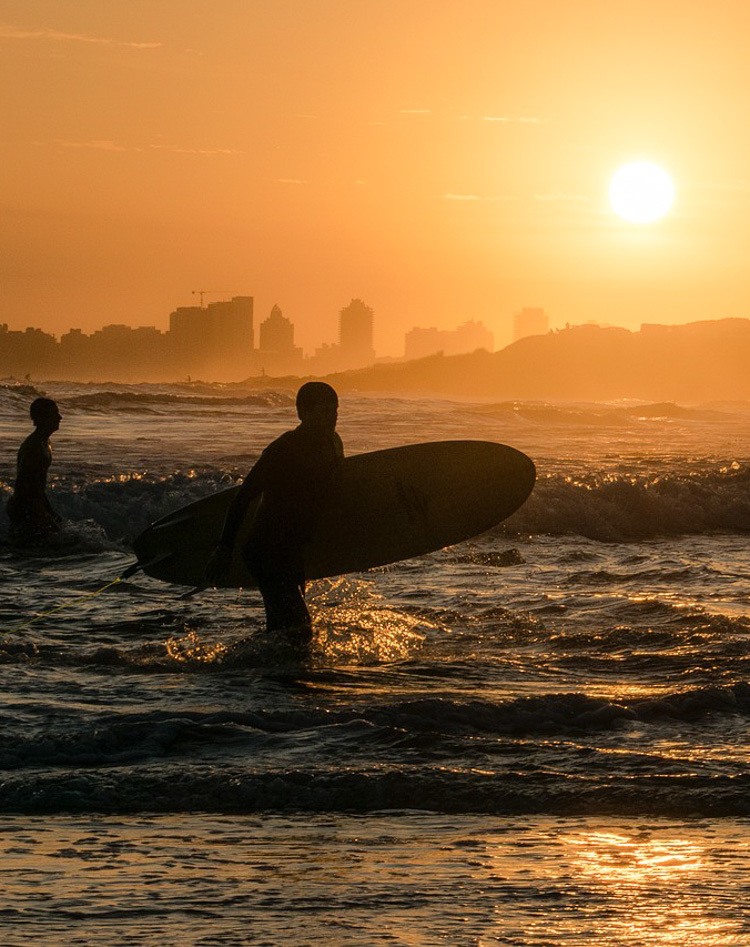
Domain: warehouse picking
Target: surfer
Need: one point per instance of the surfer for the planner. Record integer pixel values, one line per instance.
(29, 510)
(292, 477)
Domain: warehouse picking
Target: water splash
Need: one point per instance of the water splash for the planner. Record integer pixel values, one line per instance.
(190, 649)
(352, 626)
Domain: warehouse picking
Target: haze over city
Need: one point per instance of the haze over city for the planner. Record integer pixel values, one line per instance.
(444, 162)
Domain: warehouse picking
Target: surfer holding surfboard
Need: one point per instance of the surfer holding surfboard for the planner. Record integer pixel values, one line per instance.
(304, 512)
(292, 477)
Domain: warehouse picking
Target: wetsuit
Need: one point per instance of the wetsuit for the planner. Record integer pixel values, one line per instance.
(294, 474)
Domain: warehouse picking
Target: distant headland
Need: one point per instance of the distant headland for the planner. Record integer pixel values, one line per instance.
(698, 361)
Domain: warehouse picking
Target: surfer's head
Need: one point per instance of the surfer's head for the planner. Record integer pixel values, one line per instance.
(45, 414)
(318, 404)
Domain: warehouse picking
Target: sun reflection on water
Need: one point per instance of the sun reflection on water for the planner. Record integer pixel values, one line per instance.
(377, 636)
(649, 890)
(628, 860)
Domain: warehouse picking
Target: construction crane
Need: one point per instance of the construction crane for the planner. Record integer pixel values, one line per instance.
(209, 292)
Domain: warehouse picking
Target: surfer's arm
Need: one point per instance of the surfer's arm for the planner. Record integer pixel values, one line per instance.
(252, 486)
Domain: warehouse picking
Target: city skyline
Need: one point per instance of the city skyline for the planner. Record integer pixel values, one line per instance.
(451, 322)
(299, 145)
(217, 341)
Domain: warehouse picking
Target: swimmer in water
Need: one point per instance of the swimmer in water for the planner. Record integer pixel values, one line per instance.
(31, 515)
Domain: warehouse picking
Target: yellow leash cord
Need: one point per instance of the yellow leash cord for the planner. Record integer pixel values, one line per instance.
(79, 598)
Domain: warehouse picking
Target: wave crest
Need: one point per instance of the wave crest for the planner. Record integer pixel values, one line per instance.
(624, 507)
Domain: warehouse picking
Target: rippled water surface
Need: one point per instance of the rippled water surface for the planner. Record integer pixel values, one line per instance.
(536, 737)
(398, 878)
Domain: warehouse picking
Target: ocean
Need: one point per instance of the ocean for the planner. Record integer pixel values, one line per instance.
(538, 737)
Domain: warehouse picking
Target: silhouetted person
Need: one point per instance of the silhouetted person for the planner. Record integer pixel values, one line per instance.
(292, 477)
(29, 511)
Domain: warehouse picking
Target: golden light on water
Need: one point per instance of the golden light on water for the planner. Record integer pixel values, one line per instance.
(191, 649)
(631, 860)
(644, 884)
(378, 636)
(351, 626)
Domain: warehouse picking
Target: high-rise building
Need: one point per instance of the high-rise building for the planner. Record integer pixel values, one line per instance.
(420, 343)
(217, 339)
(530, 321)
(356, 335)
(277, 354)
(230, 323)
(276, 333)
(27, 351)
(472, 335)
(187, 330)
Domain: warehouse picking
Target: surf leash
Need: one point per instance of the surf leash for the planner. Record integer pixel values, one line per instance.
(130, 571)
(52, 611)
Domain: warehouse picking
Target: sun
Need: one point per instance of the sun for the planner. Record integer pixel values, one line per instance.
(641, 192)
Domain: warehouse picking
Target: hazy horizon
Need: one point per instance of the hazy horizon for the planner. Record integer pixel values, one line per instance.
(312, 153)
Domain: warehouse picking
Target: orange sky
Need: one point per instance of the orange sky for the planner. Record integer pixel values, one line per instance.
(442, 160)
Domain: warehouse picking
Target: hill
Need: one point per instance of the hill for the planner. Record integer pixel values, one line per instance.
(698, 361)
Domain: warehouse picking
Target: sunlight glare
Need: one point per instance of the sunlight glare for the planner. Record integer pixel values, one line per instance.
(641, 192)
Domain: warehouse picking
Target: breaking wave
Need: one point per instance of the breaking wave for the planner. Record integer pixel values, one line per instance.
(135, 401)
(626, 507)
(609, 507)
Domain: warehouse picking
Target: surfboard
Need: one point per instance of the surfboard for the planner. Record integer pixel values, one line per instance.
(388, 505)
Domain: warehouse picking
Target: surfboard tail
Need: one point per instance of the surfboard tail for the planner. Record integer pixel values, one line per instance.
(146, 566)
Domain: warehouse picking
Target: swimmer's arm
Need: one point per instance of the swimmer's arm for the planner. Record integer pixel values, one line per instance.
(44, 501)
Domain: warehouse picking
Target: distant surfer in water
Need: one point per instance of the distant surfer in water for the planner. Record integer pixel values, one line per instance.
(292, 477)
(29, 510)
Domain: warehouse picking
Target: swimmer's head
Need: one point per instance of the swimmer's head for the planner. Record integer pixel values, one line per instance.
(317, 403)
(45, 414)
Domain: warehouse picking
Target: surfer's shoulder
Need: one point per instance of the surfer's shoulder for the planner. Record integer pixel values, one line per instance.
(33, 447)
(285, 440)
(281, 445)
